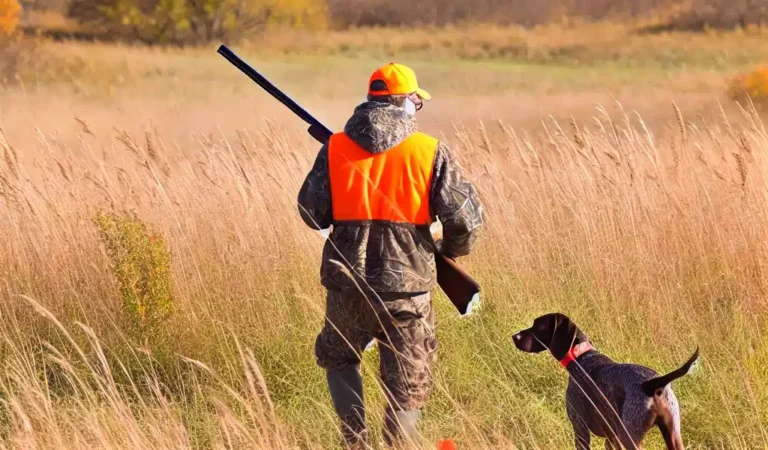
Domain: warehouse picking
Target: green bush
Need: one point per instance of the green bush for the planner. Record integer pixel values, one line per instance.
(141, 265)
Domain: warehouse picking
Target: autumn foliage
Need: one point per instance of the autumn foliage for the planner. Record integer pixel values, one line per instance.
(752, 84)
(10, 12)
(194, 21)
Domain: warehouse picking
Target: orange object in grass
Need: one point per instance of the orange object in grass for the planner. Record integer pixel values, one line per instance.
(446, 444)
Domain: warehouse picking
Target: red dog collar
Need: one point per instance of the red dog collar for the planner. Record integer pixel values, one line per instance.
(575, 352)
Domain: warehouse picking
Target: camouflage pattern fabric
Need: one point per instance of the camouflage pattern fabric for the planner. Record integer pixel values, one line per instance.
(387, 256)
(404, 326)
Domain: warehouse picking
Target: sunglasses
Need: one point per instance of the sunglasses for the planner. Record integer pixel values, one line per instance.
(417, 101)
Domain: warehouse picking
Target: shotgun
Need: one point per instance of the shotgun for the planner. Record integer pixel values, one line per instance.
(459, 287)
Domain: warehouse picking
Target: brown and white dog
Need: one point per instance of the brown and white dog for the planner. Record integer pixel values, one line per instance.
(619, 402)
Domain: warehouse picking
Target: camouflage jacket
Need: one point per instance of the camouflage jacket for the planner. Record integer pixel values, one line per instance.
(387, 256)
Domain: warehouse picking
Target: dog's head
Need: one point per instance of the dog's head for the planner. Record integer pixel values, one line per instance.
(554, 332)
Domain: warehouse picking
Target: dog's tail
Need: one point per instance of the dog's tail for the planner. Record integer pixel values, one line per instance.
(654, 386)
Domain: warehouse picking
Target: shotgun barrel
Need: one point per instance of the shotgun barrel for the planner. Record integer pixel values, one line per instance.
(316, 129)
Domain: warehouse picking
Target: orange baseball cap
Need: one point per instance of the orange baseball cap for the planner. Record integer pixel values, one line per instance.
(395, 79)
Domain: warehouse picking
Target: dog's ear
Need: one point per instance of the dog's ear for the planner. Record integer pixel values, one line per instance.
(564, 336)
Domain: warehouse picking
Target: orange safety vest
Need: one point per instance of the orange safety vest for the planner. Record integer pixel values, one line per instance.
(392, 186)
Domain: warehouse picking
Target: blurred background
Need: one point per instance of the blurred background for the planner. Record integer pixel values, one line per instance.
(589, 50)
(201, 21)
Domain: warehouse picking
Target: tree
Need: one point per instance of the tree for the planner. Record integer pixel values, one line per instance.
(10, 12)
(224, 19)
(151, 21)
(194, 21)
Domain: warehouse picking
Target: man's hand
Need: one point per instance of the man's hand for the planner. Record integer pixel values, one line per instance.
(437, 235)
(437, 230)
(439, 249)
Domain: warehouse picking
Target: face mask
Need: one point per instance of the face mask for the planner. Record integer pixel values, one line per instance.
(410, 107)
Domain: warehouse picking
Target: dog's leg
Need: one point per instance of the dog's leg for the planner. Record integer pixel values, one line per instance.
(611, 444)
(671, 436)
(668, 420)
(636, 419)
(581, 435)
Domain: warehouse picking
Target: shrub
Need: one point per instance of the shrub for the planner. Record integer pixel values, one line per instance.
(753, 84)
(357, 13)
(141, 265)
(303, 14)
(10, 12)
(194, 21)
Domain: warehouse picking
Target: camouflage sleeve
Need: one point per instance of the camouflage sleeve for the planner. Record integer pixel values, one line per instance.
(315, 194)
(454, 201)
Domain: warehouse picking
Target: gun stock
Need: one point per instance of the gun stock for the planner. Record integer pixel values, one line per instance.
(458, 286)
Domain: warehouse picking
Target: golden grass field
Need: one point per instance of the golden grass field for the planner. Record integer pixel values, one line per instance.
(621, 187)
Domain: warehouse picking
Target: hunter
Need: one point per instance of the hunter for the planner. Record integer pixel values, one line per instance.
(379, 185)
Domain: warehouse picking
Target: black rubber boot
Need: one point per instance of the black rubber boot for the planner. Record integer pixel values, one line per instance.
(346, 388)
(400, 428)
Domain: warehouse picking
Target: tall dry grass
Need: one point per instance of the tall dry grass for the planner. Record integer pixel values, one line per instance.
(652, 238)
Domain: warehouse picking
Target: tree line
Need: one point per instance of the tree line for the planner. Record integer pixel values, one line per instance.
(201, 21)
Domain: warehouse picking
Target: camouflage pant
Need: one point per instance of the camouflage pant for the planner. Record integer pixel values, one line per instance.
(404, 326)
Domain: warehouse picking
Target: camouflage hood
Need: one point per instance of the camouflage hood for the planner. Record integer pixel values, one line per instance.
(377, 127)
